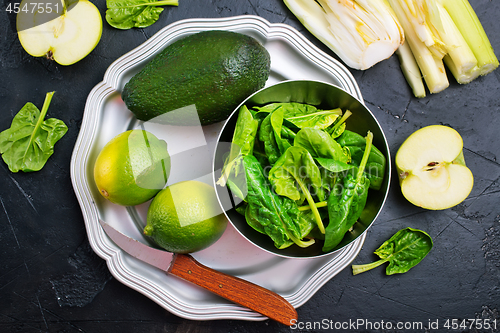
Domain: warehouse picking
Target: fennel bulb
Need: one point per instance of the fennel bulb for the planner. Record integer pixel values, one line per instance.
(361, 32)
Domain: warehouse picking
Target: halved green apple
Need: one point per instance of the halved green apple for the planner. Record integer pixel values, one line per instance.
(65, 34)
(432, 170)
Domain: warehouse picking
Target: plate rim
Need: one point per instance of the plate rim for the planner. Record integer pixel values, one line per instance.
(113, 255)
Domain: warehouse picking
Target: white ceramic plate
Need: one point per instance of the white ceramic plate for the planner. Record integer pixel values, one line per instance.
(191, 148)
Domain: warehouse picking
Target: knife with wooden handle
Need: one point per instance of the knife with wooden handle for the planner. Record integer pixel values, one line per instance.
(250, 295)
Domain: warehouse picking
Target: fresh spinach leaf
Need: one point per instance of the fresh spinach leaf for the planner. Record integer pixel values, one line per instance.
(291, 108)
(329, 155)
(304, 115)
(402, 251)
(127, 14)
(268, 139)
(320, 144)
(320, 119)
(269, 213)
(294, 174)
(241, 208)
(334, 165)
(287, 133)
(307, 222)
(277, 125)
(245, 132)
(376, 164)
(339, 125)
(30, 140)
(345, 206)
(242, 144)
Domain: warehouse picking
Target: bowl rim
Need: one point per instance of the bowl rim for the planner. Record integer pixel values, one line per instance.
(388, 168)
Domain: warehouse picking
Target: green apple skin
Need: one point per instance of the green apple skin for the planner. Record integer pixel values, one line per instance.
(431, 168)
(67, 39)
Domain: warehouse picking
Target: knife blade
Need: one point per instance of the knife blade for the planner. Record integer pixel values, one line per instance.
(184, 266)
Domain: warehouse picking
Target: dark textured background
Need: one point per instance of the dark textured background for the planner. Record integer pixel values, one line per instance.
(51, 281)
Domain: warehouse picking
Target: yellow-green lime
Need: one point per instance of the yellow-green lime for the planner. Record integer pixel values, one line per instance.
(185, 217)
(132, 168)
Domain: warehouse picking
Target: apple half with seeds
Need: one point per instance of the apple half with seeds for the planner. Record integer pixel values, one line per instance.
(63, 34)
(432, 170)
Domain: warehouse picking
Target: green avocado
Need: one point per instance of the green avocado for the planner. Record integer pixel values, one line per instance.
(210, 72)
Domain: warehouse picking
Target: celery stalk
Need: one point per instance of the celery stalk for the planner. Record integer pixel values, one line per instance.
(410, 70)
(462, 77)
(457, 48)
(418, 13)
(467, 22)
(432, 68)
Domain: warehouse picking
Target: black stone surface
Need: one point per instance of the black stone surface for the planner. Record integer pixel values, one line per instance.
(51, 281)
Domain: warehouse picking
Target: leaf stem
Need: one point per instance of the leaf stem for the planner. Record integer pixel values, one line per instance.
(43, 113)
(366, 154)
(314, 209)
(41, 117)
(226, 170)
(356, 269)
(300, 242)
(317, 204)
(45, 107)
(342, 120)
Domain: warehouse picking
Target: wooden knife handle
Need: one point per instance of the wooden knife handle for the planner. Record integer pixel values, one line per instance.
(237, 290)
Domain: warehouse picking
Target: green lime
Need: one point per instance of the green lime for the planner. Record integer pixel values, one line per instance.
(185, 217)
(132, 168)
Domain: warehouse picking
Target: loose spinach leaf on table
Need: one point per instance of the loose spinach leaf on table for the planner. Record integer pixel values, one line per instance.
(345, 206)
(402, 251)
(30, 140)
(127, 14)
